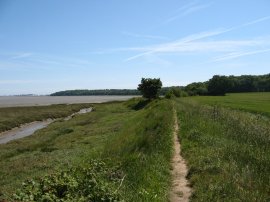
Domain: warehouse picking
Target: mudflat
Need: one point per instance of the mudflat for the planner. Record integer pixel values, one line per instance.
(14, 101)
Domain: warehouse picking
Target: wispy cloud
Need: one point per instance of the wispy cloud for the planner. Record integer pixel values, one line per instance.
(194, 9)
(60, 61)
(235, 55)
(257, 21)
(201, 46)
(175, 45)
(154, 59)
(193, 42)
(27, 61)
(21, 55)
(190, 43)
(186, 10)
(185, 7)
(144, 36)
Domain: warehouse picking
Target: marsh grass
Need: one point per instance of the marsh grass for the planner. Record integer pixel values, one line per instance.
(135, 140)
(11, 117)
(227, 152)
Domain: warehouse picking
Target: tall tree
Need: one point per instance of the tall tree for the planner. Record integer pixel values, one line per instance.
(150, 88)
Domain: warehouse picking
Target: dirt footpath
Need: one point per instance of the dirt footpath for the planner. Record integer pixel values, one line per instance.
(180, 191)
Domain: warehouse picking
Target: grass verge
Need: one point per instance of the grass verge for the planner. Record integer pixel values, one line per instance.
(227, 152)
(144, 149)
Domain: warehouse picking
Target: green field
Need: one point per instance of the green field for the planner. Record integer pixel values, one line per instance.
(120, 134)
(227, 150)
(252, 102)
(122, 151)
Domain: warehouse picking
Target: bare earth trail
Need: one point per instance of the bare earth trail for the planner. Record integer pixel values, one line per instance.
(180, 191)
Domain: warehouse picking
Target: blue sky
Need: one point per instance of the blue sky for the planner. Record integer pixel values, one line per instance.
(47, 46)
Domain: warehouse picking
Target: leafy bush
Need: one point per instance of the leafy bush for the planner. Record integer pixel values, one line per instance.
(183, 94)
(96, 182)
(169, 94)
(196, 88)
(175, 92)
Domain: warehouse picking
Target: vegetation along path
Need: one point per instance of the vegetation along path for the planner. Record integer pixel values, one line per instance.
(180, 191)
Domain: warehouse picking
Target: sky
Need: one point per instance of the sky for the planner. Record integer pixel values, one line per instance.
(48, 46)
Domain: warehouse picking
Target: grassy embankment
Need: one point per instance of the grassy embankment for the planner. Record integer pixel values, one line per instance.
(11, 117)
(133, 140)
(227, 150)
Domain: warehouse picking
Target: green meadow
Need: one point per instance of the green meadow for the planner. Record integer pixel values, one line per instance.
(252, 102)
(226, 143)
(122, 151)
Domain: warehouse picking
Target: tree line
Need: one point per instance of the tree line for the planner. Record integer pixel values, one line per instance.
(220, 85)
(86, 92)
(97, 92)
(217, 85)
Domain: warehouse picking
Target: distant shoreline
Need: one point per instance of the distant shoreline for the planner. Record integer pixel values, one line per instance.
(85, 92)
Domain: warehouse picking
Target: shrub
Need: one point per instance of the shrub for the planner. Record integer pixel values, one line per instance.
(183, 94)
(97, 182)
(169, 94)
(175, 92)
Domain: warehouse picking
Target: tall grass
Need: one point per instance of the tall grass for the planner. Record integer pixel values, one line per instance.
(134, 137)
(144, 149)
(227, 152)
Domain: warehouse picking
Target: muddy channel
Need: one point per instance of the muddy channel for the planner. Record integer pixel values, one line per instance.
(30, 128)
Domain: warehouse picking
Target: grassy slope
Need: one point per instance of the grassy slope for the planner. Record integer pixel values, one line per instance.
(227, 150)
(252, 102)
(144, 147)
(139, 140)
(15, 116)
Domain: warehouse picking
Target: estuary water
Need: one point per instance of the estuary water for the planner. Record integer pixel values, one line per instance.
(14, 101)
